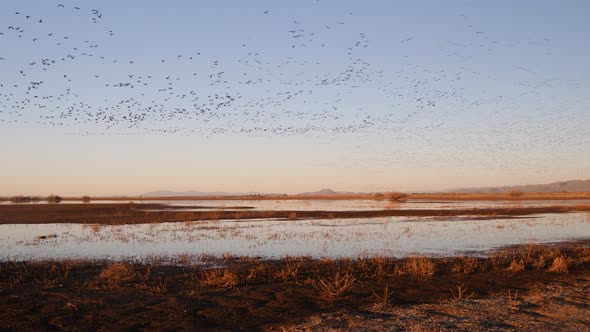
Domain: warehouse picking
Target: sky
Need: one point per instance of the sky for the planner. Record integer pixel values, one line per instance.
(126, 97)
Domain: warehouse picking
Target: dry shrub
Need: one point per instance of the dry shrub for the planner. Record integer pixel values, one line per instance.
(289, 271)
(115, 274)
(292, 216)
(461, 294)
(219, 278)
(385, 298)
(333, 286)
(559, 265)
(421, 267)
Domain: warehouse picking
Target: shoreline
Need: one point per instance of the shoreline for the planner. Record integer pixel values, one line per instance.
(525, 196)
(131, 213)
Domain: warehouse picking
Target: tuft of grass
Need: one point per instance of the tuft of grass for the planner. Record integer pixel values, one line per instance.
(421, 267)
(559, 265)
(156, 286)
(54, 275)
(115, 274)
(465, 265)
(517, 265)
(219, 278)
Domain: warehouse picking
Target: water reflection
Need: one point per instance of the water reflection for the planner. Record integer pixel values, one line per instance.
(395, 236)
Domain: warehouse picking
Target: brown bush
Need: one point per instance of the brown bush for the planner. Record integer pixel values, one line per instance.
(333, 286)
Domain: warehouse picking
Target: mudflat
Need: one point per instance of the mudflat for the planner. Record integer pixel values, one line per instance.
(132, 213)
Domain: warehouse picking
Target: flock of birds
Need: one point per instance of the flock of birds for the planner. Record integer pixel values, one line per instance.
(70, 82)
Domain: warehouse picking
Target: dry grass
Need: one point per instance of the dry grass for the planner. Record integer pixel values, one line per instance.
(559, 265)
(461, 293)
(383, 299)
(156, 285)
(333, 286)
(516, 266)
(113, 275)
(420, 267)
(374, 267)
(465, 265)
(525, 257)
(289, 271)
(219, 278)
(513, 301)
(54, 275)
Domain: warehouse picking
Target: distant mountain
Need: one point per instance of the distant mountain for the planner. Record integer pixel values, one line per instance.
(324, 192)
(191, 193)
(564, 186)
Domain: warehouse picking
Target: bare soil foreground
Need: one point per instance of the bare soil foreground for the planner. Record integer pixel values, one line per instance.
(529, 287)
(129, 213)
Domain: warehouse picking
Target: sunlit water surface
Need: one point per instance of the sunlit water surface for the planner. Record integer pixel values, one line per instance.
(393, 236)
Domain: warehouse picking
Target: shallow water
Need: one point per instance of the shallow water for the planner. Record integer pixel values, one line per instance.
(360, 204)
(392, 236)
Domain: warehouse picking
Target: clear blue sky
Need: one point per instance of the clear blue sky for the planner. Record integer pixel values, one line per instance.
(123, 97)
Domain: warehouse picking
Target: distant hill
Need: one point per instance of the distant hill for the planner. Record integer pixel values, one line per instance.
(324, 192)
(564, 186)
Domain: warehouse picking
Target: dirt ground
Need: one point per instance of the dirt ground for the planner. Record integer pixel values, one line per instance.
(530, 287)
(558, 305)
